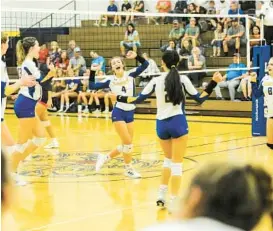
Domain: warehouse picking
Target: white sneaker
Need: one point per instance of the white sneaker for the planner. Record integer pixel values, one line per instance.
(97, 111)
(53, 144)
(86, 110)
(60, 111)
(161, 199)
(174, 205)
(130, 172)
(101, 160)
(104, 24)
(18, 181)
(105, 112)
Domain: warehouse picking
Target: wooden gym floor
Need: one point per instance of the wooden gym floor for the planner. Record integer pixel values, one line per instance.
(65, 194)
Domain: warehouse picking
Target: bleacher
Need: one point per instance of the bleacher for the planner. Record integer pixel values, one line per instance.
(105, 41)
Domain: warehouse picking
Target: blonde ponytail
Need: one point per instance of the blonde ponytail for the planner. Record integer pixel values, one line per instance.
(20, 53)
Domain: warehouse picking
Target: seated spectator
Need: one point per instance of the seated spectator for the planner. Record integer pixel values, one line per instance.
(192, 33)
(255, 34)
(131, 40)
(247, 193)
(77, 63)
(196, 62)
(162, 6)
(217, 42)
(98, 62)
(235, 10)
(245, 86)
(126, 7)
(235, 36)
(43, 55)
(71, 47)
(192, 8)
(138, 7)
(172, 46)
(63, 62)
(211, 10)
(176, 34)
(71, 91)
(84, 92)
(179, 8)
(232, 78)
(111, 8)
(185, 53)
(54, 53)
(222, 8)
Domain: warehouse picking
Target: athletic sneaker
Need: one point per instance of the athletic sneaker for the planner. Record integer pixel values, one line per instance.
(105, 112)
(130, 172)
(161, 198)
(53, 144)
(86, 110)
(97, 111)
(101, 160)
(18, 181)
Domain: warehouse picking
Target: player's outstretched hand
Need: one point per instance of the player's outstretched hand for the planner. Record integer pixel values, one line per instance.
(131, 55)
(217, 77)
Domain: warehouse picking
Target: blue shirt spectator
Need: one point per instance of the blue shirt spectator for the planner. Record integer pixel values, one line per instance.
(233, 73)
(97, 61)
(112, 7)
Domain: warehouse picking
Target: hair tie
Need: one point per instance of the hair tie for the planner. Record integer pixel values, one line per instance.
(173, 66)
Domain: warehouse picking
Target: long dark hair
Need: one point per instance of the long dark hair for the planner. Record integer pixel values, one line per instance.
(22, 48)
(173, 85)
(133, 26)
(235, 195)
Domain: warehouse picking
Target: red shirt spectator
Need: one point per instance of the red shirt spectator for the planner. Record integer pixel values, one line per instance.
(63, 62)
(43, 54)
(163, 6)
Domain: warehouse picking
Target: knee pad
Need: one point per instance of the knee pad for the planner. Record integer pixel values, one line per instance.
(127, 148)
(176, 169)
(270, 146)
(38, 141)
(167, 163)
(46, 123)
(120, 148)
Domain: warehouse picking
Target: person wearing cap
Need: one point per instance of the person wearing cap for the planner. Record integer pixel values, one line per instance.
(232, 78)
(192, 33)
(235, 36)
(77, 63)
(176, 34)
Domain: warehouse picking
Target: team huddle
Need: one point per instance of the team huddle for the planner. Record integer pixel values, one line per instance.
(170, 89)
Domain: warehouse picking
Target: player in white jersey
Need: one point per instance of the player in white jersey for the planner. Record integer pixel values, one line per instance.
(172, 127)
(6, 90)
(31, 133)
(121, 83)
(265, 89)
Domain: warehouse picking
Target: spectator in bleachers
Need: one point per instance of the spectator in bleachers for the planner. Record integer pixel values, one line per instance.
(43, 55)
(245, 86)
(162, 6)
(172, 46)
(232, 78)
(179, 8)
(235, 10)
(192, 8)
(71, 47)
(192, 33)
(255, 34)
(116, 19)
(196, 62)
(98, 62)
(222, 7)
(63, 62)
(185, 53)
(126, 7)
(54, 53)
(84, 92)
(217, 42)
(176, 34)
(72, 87)
(138, 7)
(235, 37)
(131, 40)
(211, 10)
(77, 63)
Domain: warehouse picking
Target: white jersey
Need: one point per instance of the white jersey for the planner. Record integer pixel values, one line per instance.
(4, 83)
(35, 92)
(267, 87)
(166, 109)
(124, 86)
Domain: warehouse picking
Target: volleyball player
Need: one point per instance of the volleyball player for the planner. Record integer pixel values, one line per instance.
(172, 127)
(121, 83)
(265, 88)
(31, 133)
(7, 90)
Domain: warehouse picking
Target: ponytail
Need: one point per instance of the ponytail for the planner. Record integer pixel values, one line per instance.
(20, 53)
(173, 86)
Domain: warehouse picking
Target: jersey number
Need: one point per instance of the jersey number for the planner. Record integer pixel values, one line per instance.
(270, 91)
(123, 89)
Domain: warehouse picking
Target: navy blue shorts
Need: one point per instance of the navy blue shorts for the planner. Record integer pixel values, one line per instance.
(173, 127)
(121, 115)
(24, 107)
